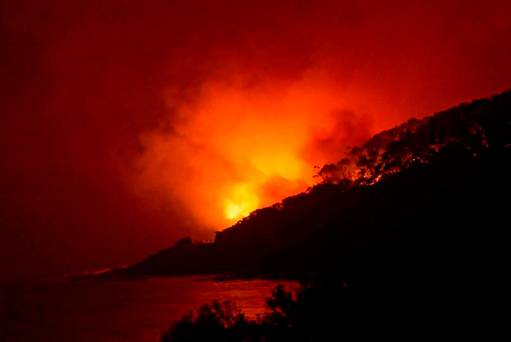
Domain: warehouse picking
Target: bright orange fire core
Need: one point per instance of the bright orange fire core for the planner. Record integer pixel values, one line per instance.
(242, 201)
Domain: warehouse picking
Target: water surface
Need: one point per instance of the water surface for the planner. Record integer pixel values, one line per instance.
(118, 310)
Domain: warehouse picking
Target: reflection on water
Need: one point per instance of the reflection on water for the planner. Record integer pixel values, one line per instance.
(115, 310)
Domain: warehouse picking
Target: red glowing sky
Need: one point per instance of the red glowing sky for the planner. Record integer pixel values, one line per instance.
(124, 126)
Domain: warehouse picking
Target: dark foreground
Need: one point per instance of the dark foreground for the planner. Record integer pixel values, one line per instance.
(328, 309)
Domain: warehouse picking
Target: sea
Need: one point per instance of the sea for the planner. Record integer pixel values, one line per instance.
(102, 310)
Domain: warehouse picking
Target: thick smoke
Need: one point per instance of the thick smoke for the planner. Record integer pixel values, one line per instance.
(241, 145)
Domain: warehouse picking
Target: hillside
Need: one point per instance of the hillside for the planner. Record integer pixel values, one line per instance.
(428, 195)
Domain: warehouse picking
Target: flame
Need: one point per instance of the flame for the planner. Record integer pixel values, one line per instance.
(242, 201)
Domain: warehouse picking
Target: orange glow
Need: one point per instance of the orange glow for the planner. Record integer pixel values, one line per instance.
(241, 202)
(237, 148)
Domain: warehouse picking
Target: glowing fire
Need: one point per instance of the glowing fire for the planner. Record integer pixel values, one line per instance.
(242, 201)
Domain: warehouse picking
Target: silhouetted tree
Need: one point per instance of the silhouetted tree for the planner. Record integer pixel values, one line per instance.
(214, 322)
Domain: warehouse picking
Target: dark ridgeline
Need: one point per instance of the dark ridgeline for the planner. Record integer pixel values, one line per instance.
(429, 190)
(413, 225)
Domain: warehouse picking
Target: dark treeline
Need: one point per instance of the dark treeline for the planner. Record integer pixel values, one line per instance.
(409, 228)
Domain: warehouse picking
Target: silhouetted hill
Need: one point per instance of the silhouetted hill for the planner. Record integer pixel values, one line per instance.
(427, 199)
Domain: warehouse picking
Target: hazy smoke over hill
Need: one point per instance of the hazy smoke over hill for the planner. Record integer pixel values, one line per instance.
(124, 126)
